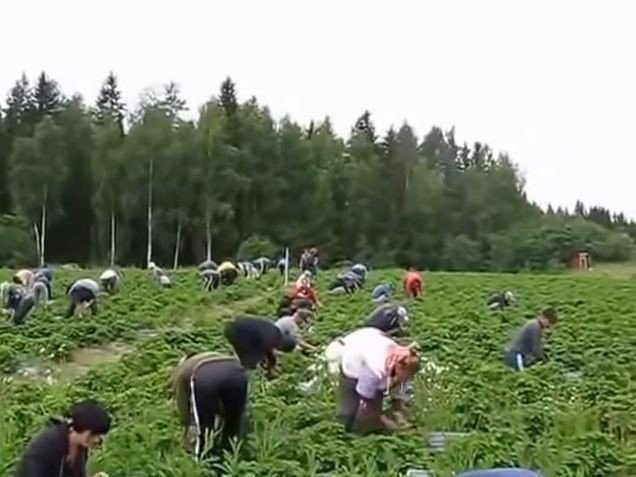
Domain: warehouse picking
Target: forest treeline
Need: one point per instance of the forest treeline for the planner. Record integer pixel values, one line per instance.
(76, 182)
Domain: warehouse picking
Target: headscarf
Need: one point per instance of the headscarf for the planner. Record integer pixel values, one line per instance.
(397, 355)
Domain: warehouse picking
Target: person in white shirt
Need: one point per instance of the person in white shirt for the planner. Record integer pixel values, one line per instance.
(372, 364)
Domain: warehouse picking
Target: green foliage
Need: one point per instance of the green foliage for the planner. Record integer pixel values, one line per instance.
(256, 246)
(573, 415)
(16, 242)
(237, 172)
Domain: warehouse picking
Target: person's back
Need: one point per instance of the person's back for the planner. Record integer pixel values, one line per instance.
(87, 283)
(528, 342)
(386, 317)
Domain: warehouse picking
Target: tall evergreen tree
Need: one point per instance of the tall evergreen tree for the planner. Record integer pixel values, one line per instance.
(109, 105)
(47, 96)
(19, 112)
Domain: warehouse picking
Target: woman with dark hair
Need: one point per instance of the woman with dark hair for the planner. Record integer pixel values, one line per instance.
(83, 293)
(61, 448)
(211, 394)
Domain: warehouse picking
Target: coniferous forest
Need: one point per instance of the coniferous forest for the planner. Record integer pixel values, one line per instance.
(89, 183)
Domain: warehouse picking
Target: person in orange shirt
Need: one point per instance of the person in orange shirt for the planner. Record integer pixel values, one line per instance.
(412, 283)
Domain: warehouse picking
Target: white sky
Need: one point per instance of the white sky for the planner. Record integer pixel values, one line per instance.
(551, 82)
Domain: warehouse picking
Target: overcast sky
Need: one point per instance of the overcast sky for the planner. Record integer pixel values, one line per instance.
(553, 83)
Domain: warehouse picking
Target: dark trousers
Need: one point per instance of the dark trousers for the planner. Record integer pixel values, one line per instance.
(349, 405)
(79, 296)
(220, 392)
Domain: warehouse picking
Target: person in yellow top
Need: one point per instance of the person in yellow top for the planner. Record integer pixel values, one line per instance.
(211, 395)
(228, 272)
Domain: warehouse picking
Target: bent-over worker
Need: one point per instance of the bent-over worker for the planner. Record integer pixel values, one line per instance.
(526, 348)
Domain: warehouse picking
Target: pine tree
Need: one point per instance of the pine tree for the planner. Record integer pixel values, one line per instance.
(109, 105)
(19, 112)
(48, 98)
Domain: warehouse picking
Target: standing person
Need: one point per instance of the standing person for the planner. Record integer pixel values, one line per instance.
(109, 280)
(372, 364)
(254, 340)
(412, 283)
(291, 328)
(82, 292)
(526, 348)
(309, 261)
(61, 448)
(281, 265)
(211, 395)
(211, 279)
(228, 272)
(382, 292)
(500, 301)
(388, 318)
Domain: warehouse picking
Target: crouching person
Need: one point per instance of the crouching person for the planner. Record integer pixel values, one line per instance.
(211, 395)
(82, 293)
(526, 348)
(372, 365)
(255, 340)
(61, 448)
(109, 280)
(19, 303)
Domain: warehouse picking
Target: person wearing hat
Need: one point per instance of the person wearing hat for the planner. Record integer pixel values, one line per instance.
(500, 301)
(255, 340)
(388, 318)
(109, 280)
(211, 395)
(228, 273)
(526, 348)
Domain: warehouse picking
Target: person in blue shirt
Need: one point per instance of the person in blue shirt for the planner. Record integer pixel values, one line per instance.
(382, 292)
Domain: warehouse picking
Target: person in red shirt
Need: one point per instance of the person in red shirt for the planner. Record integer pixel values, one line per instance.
(303, 291)
(412, 283)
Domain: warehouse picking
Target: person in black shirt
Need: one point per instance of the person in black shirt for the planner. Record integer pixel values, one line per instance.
(61, 448)
(388, 318)
(254, 340)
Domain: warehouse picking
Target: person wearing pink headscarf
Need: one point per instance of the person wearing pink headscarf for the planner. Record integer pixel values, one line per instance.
(371, 365)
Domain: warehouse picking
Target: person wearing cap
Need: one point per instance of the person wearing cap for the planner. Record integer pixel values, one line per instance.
(61, 448)
(372, 365)
(291, 328)
(388, 318)
(526, 348)
(211, 395)
(83, 293)
(255, 340)
(500, 301)
(382, 292)
(228, 272)
(412, 283)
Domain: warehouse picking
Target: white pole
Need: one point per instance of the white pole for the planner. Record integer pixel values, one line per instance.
(286, 266)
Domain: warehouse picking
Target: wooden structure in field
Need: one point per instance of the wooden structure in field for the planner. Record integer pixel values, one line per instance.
(582, 261)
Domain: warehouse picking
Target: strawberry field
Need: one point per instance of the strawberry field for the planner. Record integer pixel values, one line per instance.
(573, 416)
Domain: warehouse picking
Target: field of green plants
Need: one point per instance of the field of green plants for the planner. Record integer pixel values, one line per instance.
(574, 416)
